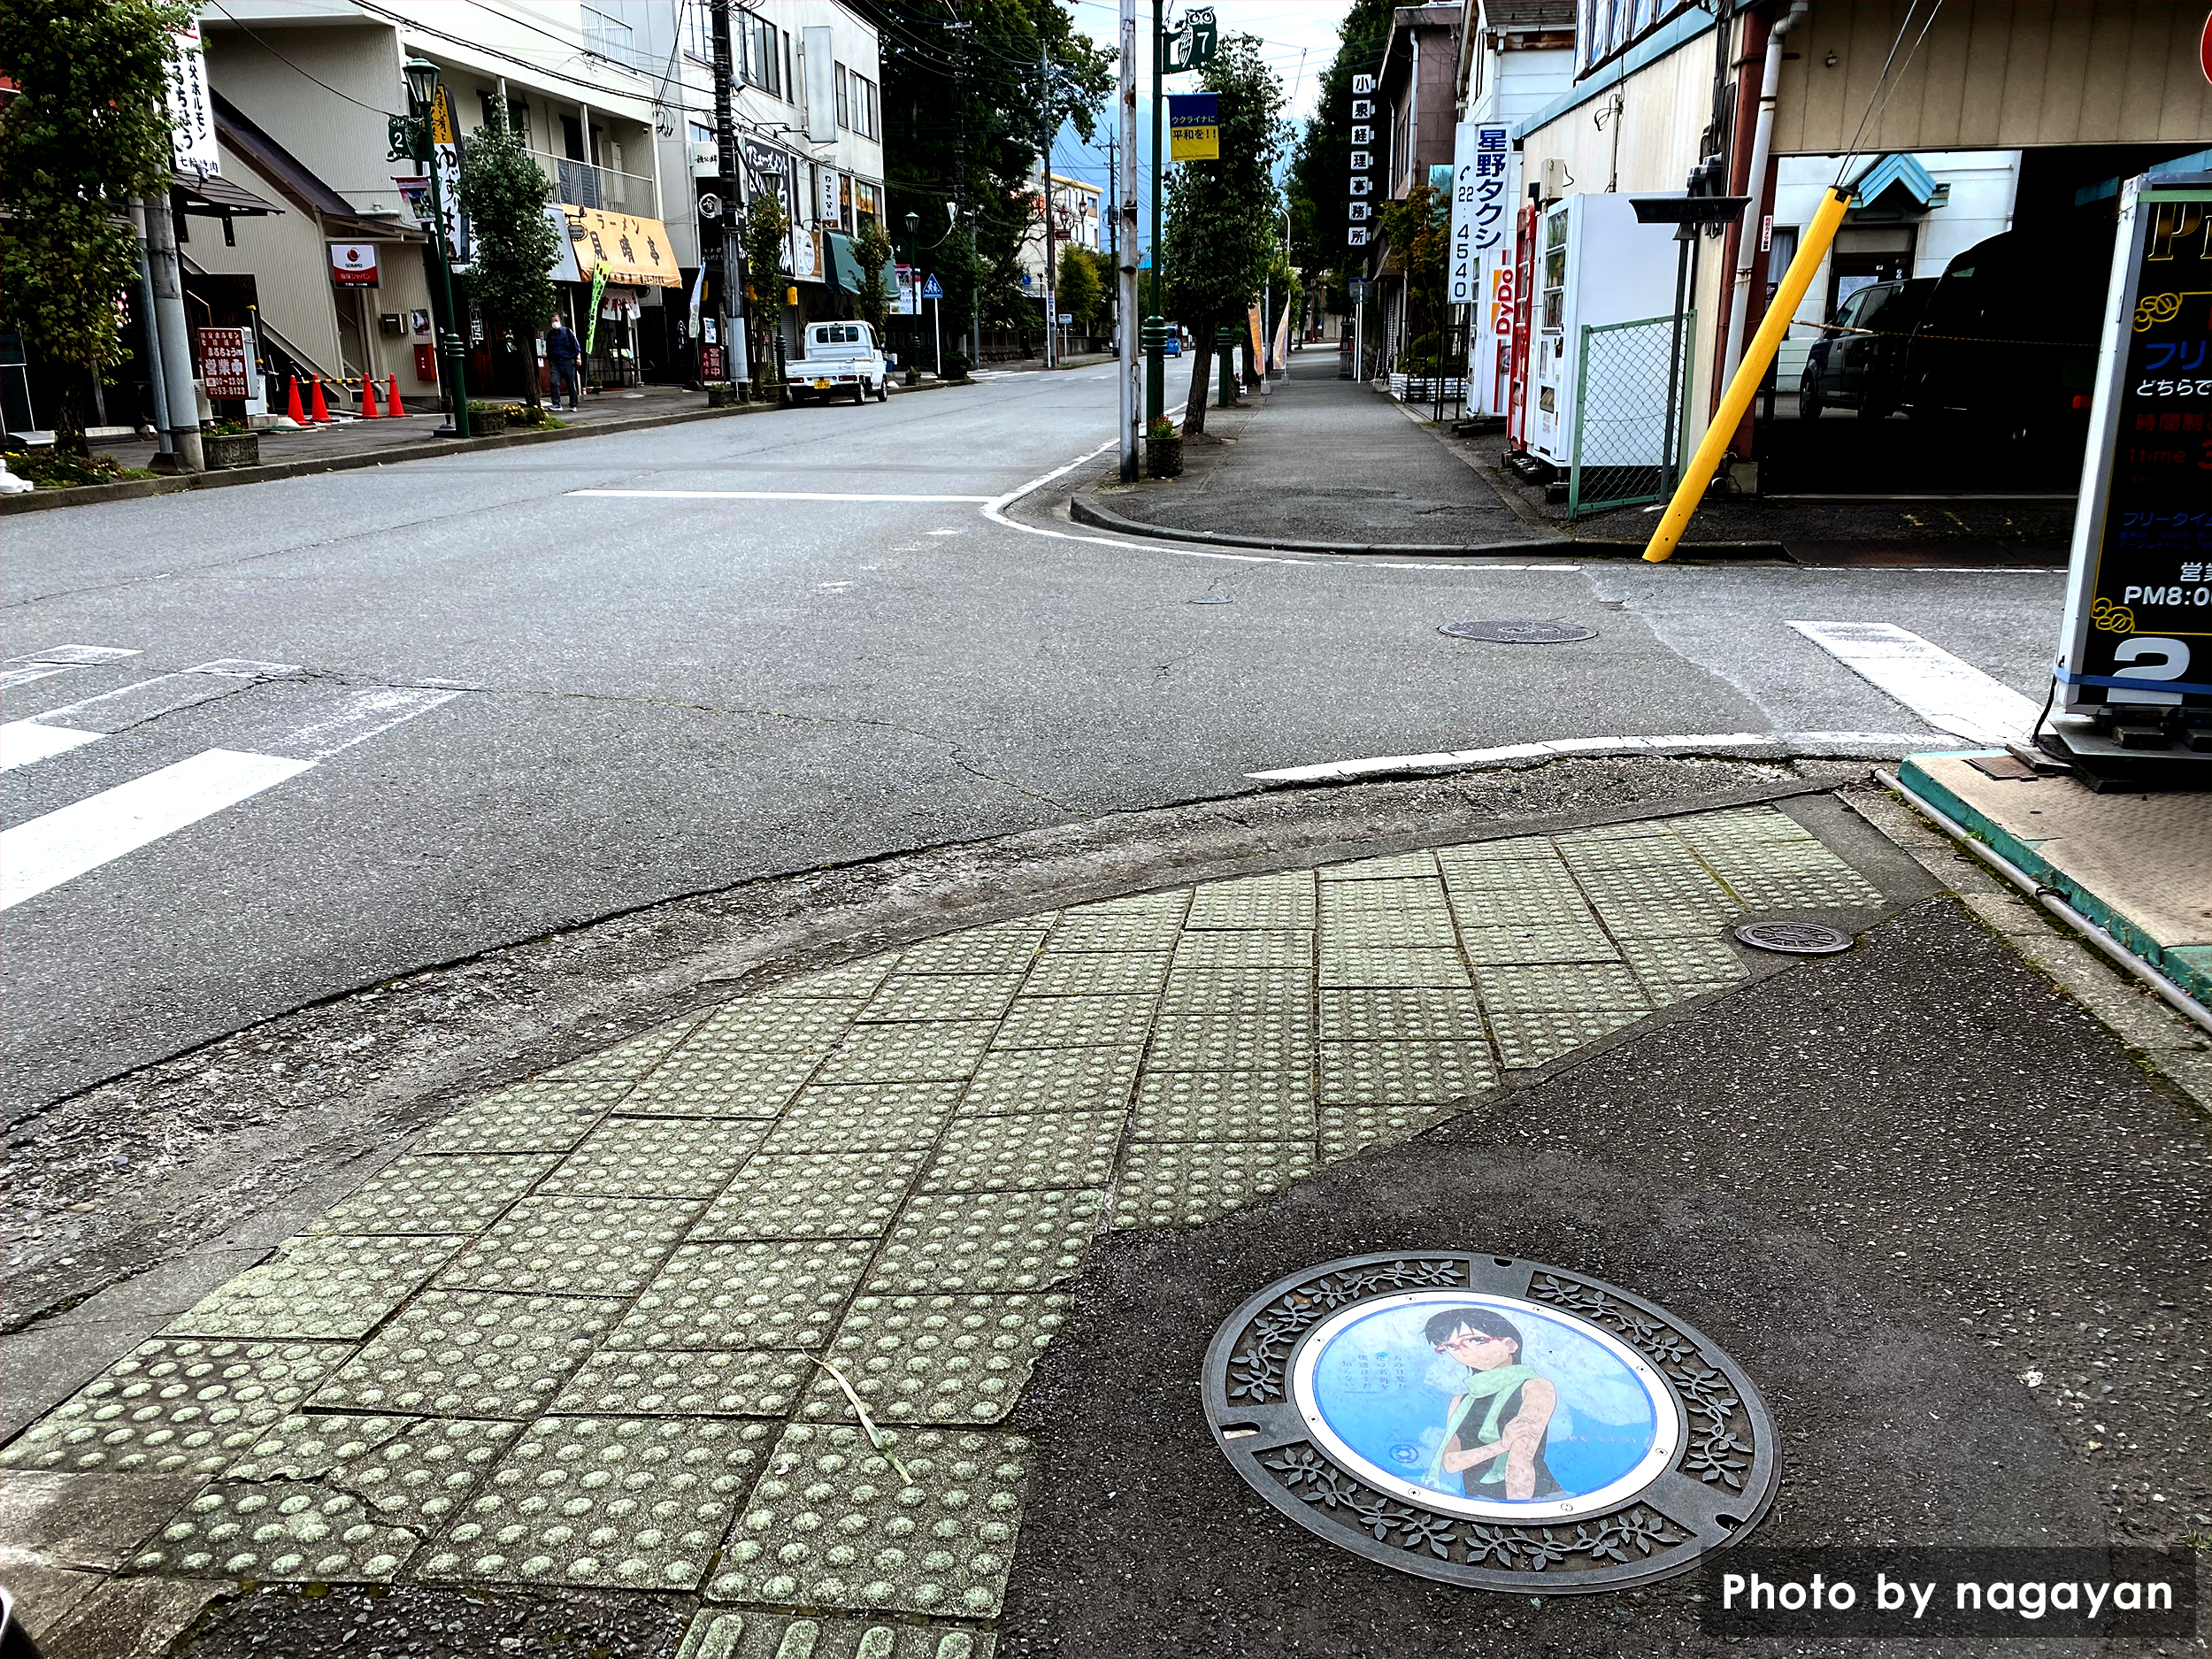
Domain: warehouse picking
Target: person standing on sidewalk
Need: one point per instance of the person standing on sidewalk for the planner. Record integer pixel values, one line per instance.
(562, 355)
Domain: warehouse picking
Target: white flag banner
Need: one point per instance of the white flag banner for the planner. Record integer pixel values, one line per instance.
(191, 111)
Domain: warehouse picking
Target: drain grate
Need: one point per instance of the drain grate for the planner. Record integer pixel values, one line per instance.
(1796, 938)
(1519, 633)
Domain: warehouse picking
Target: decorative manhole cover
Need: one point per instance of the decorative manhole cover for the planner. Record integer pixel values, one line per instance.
(1493, 1423)
(1519, 633)
(1798, 939)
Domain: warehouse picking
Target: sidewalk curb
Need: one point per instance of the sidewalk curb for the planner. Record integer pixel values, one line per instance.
(1554, 546)
(138, 489)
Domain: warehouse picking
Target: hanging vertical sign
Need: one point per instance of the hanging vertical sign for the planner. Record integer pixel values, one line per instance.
(2135, 643)
(1479, 255)
(191, 112)
(446, 159)
(1360, 209)
(1194, 127)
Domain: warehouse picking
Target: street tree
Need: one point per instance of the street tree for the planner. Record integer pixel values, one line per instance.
(1417, 227)
(1319, 182)
(504, 191)
(1078, 290)
(872, 249)
(763, 236)
(1221, 215)
(87, 131)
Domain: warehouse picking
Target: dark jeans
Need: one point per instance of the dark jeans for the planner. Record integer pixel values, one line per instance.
(565, 377)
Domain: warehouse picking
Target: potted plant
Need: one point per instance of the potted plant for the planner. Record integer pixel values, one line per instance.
(488, 420)
(1162, 449)
(231, 443)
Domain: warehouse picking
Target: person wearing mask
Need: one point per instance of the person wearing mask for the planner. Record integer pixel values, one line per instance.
(563, 355)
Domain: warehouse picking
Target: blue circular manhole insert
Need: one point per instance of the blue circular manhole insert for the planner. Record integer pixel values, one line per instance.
(1490, 1423)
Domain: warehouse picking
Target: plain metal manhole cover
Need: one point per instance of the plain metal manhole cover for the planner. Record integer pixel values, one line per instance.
(1798, 939)
(1519, 633)
(1489, 1422)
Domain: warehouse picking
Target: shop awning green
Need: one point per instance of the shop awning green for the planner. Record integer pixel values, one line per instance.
(844, 263)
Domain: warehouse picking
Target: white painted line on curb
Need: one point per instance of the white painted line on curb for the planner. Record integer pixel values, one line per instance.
(995, 512)
(41, 854)
(1847, 743)
(1949, 695)
(765, 495)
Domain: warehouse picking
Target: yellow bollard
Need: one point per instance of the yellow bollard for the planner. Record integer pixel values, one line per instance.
(1811, 249)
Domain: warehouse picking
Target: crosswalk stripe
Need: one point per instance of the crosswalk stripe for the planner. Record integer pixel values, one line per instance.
(73, 724)
(368, 712)
(41, 854)
(23, 741)
(1949, 695)
(59, 659)
(11, 678)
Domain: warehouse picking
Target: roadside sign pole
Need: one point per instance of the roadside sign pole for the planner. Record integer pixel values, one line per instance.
(1125, 249)
(1154, 325)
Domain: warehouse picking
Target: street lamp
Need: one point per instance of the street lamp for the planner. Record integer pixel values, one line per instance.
(411, 140)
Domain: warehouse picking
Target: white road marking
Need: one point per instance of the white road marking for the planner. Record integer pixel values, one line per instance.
(73, 724)
(79, 654)
(995, 512)
(245, 668)
(11, 678)
(368, 712)
(766, 495)
(1949, 695)
(41, 854)
(23, 741)
(1849, 743)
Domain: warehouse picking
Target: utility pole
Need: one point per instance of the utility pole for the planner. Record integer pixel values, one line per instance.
(725, 167)
(1044, 174)
(1126, 247)
(176, 352)
(1154, 325)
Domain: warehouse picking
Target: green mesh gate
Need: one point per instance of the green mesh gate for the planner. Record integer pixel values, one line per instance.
(1621, 455)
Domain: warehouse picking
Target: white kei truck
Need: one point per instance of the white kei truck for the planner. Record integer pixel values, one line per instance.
(840, 359)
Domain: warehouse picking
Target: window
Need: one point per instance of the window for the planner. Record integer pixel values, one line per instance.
(845, 202)
(760, 67)
(844, 96)
(698, 31)
(792, 95)
(867, 204)
(518, 114)
(608, 37)
(867, 108)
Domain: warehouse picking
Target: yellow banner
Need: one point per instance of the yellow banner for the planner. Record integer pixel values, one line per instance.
(441, 118)
(1194, 143)
(630, 250)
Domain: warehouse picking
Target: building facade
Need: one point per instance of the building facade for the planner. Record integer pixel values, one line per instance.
(1417, 105)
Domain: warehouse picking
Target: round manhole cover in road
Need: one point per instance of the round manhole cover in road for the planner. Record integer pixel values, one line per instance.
(1797, 939)
(1490, 1423)
(1520, 633)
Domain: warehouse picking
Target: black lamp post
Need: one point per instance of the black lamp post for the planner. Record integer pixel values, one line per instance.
(411, 140)
(914, 256)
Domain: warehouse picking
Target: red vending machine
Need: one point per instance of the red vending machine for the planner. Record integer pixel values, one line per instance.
(1524, 286)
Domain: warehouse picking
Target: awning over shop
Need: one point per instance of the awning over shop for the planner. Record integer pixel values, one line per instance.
(630, 249)
(844, 264)
(1903, 174)
(564, 268)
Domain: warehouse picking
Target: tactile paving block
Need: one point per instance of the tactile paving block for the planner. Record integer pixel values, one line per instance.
(575, 1247)
(1639, 920)
(924, 1051)
(440, 1193)
(1387, 965)
(536, 1117)
(935, 1359)
(327, 1499)
(745, 1293)
(721, 1083)
(1685, 883)
(741, 1382)
(813, 1195)
(1561, 906)
(1276, 949)
(1477, 856)
(853, 979)
(1388, 892)
(1210, 993)
(1122, 930)
(1348, 1130)
(1392, 866)
(1401, 1014)
(1002, 948)
(1020, 1081)
(1586, 943)
(1671, 968)
(1276, 901)
(174, 1406)
(1075, 1022)
(626, 1061)
(775, 1022)
(1345, 930)
(998, 1155)
(1098, 973)
(472, 1354)
(834, 1524)
(1186, 1184)
(636, 1503)
(336, 1286)
(1532, 1036)
(1176, 900)
(658, 1157)
(867, 1117)
(1366, 1073)
(1281, 1041)
(985, 1242)
(1225, 1106)
(1571, 985)
(912, 996)
(716, 1634)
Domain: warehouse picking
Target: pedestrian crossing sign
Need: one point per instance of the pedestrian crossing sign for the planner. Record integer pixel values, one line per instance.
(931, 290)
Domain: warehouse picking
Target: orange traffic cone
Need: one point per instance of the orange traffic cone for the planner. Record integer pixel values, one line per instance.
(317, 412)
(369, 411)
(393, 408)
(292, 410)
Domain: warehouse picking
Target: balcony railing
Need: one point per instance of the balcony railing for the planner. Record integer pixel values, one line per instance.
(580, 184)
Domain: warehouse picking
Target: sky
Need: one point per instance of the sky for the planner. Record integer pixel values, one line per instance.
(1299, 39)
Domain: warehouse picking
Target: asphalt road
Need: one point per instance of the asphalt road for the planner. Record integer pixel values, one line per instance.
(659, 695)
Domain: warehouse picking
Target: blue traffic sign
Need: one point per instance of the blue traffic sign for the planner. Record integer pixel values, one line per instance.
(930, 290)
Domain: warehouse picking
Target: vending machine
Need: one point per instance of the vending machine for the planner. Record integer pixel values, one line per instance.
(1595, 266)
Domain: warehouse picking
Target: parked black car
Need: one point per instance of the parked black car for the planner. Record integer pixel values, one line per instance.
(1859, 360)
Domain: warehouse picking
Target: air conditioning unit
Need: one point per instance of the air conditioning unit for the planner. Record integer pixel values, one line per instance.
(706, 161)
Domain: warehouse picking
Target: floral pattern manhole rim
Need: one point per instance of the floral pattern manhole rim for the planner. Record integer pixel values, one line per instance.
(1490, 1423)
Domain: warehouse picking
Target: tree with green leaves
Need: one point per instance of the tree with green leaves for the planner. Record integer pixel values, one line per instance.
(87, 131)
(872, 249)
(1221, 215)
(1417, 227)
(969, 93)
(503, 191)
(1078, 290)
(764, 234)
(1319, 183)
